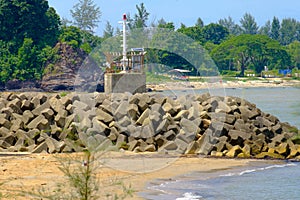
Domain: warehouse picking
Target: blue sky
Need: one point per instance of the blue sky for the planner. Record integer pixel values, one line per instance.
(187, 11)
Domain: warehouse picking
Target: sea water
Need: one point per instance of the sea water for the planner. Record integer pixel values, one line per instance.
(262, 181)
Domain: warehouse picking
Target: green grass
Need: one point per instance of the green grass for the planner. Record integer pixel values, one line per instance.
(155, 78)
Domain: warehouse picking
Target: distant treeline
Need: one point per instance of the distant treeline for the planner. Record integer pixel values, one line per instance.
(29, 31)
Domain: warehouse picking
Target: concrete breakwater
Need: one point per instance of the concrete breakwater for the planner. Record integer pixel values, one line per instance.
(193, 124)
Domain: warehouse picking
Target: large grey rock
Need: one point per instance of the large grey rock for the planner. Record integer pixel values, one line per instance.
(277, 128)
(224, 107)
(241, 125)
(169, 146)
(235, 134)
(41, 148)
(230, 119)
(194, 111)
(56, 104)
(181, 145)
(181, 114)
(261, 122)
(247, 113)
(188, 126)
(124, 122)
(15, 105)
(121, 111)
(157, 108)
(144, 99)
(133, 111)
(170, 135)
(39, 108)
(155, 118)
(168, 108)
(143, 116)
(66, 100)
(7, 111)
(16, 125)
(48, 113)
(40, 123)
(160, 140)
(100, 97)
(27, 116)
(81, 105)
(100, 126)
(192, 148)
(163, 126)
(103, 116)
(53, 145)
(206, 146)
(132, 145)
(4, 122)
(234, 151)
(147, 132)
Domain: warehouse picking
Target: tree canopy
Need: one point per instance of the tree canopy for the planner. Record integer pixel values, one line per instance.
(255, 51)
(86, 15)
(28, 19)
(27, 30)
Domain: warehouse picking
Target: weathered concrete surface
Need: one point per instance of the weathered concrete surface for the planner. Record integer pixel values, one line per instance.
(193, 124)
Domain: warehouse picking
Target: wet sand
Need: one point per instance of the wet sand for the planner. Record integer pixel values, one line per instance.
(41, 171)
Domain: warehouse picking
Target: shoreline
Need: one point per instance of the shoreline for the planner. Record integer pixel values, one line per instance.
(161, 187)
(190, 85)
(41, 170)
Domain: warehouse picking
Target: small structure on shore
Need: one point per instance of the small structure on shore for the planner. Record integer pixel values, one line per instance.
(179, 74)
(126, 73)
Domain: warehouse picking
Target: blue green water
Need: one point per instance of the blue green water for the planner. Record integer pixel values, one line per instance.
(265, 181)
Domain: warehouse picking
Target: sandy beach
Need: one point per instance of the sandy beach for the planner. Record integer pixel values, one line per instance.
(22, 172)
(219, 83)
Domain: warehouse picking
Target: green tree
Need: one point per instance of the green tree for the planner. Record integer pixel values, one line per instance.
(275, 29)
(27, 67)
(33, 19)
(71, 35)
(7, 62)
(250, 50)
(78, 38)
(231, 26)
(214, 33)
(163, 24)
(248, 24)
(289, 31)
(27, 28)
(199, 22)
(294, 51)
(141, 17)
(194, 32)
(86, 15)
(266, 29)
(109, 30)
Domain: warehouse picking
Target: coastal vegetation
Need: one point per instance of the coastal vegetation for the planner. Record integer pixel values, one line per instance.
(27, 50)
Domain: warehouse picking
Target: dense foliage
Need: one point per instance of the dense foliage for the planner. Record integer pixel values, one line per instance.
(30, 29)
(255, 51)
(27, 29)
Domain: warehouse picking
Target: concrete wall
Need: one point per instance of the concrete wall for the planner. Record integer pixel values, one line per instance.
(127, 82)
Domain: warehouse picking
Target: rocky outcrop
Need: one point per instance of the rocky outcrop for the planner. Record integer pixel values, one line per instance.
(195, 124)
(74, 68)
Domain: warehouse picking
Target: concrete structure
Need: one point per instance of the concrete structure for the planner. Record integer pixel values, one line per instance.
(125, 82)
(125, 74)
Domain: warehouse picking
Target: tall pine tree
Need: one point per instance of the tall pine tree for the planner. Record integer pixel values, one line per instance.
(86, 15)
